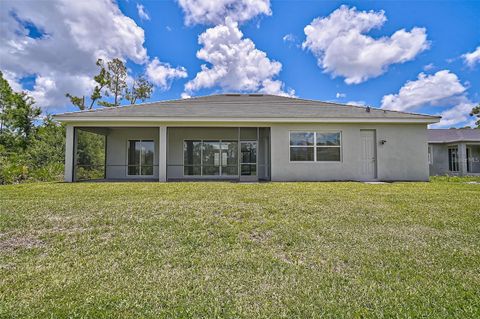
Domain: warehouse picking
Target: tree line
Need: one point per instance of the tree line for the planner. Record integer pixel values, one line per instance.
(32, 145)
(31, 148)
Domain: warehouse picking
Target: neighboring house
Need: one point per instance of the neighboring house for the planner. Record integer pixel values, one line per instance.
(454, 152)
(251, 137)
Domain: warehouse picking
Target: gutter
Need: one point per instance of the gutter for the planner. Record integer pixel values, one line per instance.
(453, 141)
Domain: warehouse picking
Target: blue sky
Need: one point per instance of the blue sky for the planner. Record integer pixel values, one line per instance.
(447, 31)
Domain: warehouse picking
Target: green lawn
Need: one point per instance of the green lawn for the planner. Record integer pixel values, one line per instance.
(191, 250)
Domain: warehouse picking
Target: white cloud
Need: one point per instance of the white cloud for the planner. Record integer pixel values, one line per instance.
(289, 38)
(460, 113)
(429, 67)
(162, 74)
(49, 91)
(426, 90)
(74, 35)
(276, 87)
(341, 47)
(340, 95)
(142, 13)
(235, 63)
(472, 58)
(442, 89)
(212, 12)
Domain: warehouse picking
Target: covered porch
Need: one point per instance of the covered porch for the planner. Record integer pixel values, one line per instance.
(167, 153)
(458, 159)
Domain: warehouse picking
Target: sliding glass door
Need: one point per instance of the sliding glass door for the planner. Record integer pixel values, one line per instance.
(140, 157)
(210, 158)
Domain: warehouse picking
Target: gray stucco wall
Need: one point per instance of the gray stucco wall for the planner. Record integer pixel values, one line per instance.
(439, 165)
(117, 139)
(402, 157)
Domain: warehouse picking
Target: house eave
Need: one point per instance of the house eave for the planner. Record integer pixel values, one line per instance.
(71, 119)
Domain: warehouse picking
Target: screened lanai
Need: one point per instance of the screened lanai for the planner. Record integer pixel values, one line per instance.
(190, 153)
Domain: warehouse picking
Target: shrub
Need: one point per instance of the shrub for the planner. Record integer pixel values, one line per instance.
(12, 170)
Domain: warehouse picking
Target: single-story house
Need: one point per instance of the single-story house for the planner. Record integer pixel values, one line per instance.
(454, 151)
(250, 137)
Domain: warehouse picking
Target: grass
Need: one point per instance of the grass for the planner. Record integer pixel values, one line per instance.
(225, 250)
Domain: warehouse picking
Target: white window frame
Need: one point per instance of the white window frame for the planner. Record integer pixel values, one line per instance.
(430, 154)
(154, 157)
(315, 146)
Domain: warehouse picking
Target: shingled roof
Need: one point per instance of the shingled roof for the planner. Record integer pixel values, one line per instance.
(242, 106)
(453, 135)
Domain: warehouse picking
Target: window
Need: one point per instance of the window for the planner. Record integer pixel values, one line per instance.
(430, 155)
(315, 146)
(302, 146)
(328, 147)
(140, 157)
(453, 159)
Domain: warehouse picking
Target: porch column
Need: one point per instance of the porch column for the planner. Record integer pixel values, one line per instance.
(462, 159)
(162, 154)
(69, 153)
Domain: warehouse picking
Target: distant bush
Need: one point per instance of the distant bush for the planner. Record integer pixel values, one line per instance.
(86, 173)
(47, 173)
(12, 170)
(455, 179)
(19, 168)
(40, 158)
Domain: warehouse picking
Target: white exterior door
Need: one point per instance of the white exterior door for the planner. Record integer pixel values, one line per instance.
(368, 156)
